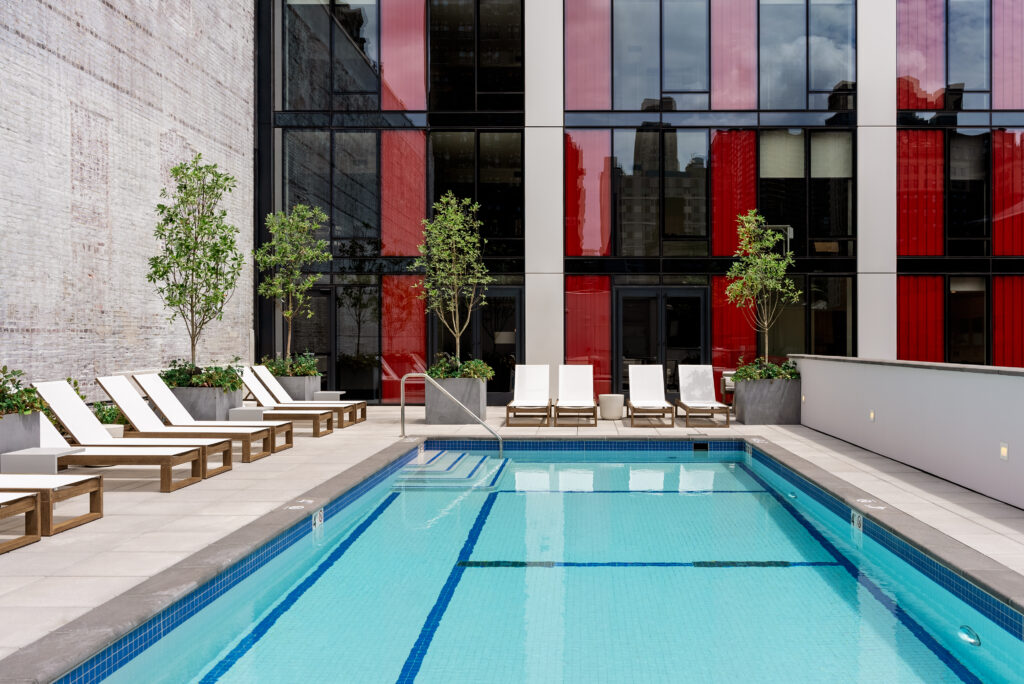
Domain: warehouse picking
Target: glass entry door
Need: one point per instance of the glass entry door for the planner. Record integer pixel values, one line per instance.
(494, 335)
(666, 326)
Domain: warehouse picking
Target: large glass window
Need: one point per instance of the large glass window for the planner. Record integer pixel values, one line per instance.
(356, 54)
(685, 45)
(782, 184)
(636, 190)
(358, 336)
(967, 183)
(500, 71)
(306, 162)
(783, 42)
(831, 43)
(636, 61)
(966, 327)
(831, 313)
(831, 192)
(686, 192)
(306, 68)
(356, 216)
(968, 44)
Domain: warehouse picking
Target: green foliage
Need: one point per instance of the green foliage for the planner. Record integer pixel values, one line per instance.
(760, 286)
(302, 365)
(357, 361)
(15, 397)
(198, 264)
(448, 366)
(109, 414)
(455, 278)
(285, 258)
(759, 369)
(186, 374)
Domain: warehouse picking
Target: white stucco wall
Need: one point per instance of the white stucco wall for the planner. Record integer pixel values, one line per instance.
(945, 419)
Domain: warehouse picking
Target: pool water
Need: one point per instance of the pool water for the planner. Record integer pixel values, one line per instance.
(556, 567)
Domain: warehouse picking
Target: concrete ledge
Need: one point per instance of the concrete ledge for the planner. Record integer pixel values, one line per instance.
(64, 649)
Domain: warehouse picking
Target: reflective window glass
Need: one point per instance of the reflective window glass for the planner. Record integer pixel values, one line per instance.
(452, 55)
(782, 184)
(783, 53)
(500, 193)
(788, 335)
(307, 171)
(831, 310)
(501, 46)
(636, 63)
(966, 329)
(686, 176)
(968, 44)
(356, 55)
(967, 205)
(358, 333)
(452, 164)
(831, 187)
(831, 43)
(635, 191)
(685, 45)
(356, 218)
(306, 55)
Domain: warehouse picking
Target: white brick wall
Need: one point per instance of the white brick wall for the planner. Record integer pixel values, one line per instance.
(98, 98)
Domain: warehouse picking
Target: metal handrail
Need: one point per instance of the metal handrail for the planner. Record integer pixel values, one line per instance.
(435, 383)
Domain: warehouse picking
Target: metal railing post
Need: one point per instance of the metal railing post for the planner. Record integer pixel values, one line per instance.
(427, 378)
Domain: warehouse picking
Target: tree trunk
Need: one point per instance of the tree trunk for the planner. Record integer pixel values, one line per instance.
(288, 342)
(766, 345)
(192, 341)
(458, 352)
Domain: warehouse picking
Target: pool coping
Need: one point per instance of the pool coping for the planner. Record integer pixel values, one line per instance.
(64, 649)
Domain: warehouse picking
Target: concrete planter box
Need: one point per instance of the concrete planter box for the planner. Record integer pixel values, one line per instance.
(19, 431)
(300, 388)
(442, 411)
(767, 402)
(116, 431)
(208, 403)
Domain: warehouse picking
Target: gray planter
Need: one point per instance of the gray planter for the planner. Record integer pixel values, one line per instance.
(442, 411)
(767, 402)
(300, 388)
(18, 431)
(208, 403)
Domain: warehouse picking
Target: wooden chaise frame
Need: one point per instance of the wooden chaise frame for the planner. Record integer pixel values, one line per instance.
(529, 411)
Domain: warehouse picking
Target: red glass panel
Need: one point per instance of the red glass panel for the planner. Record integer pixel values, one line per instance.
(403, 347)
(588, 197)
(733, 185)
(732, 337)
(1007, 54)
(920, 307)
(1008, 321)
(920, 54)
(403, 55)
(588, 49)
(920, 179)
(1008, 193)
(734, 54)
(403, 182)
(588, 328)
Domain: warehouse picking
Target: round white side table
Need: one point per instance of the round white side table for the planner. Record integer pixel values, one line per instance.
(610, 405)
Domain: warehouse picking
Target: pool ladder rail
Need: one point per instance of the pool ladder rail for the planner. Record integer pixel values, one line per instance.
(450, 469)
(435, 383)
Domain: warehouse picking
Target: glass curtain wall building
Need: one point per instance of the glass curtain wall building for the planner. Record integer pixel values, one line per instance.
(674, 116)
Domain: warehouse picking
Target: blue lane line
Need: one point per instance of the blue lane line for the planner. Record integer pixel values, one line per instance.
(912, 625)
(456, 461)
(436, 456)
(476, 467)
(438, 477)
(498, 474)
(419, 650)
(264, 625)
(634, 491)
(650, 564)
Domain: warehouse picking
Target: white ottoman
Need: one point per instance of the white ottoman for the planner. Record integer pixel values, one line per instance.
(611, 406)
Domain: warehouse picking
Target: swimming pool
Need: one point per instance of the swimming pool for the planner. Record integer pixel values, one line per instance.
(591, 562)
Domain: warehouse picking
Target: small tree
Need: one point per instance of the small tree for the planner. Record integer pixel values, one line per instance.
(455, 278)
(760, 286)
(291, 249)
(199, 261)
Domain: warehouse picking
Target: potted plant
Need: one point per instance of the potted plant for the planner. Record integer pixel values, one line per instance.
(110, 415)
(207, 393)
(454, 285)
(20, 409)
(285, 261)
(199, 262)
(299, 375)
(765, 392)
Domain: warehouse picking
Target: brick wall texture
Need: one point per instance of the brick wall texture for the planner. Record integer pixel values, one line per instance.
(98, 99)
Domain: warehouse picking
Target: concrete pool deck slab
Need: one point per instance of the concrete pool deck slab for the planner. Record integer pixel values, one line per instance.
(47, 588)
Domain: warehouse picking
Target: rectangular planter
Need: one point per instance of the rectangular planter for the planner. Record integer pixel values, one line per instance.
(767, 402)
(18, 431)
(208, 403)
(300, 388)
(442, 411)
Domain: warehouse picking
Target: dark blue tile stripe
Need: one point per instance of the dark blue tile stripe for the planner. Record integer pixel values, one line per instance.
(632, 491)
(992, 608)
(440, 477)
(652, 444)
(118, 653)
(940, 651)
(264, 625)
(501, 468)
(456, 461)
(648, 564)
(436, 456)
(419, 650)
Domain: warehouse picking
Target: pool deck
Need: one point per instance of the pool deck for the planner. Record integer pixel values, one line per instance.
(46, 585)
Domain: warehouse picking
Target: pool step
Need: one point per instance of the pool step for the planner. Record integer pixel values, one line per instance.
(467, 471)
(435, 461)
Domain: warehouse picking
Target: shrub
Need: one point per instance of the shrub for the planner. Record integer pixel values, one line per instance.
(109, 414)
(447, 366)
(15, 397)
(186, 374)
(759, 369)
(303, 365)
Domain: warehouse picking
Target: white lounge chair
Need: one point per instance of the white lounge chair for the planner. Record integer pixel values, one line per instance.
(531, 395)
(647, 394)
(322, 420)
(697, 394)
(23, 503)
(576, 393)
(80, 422)
(174, 413)
(148, 424)
(52, 489)
(348, 412)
